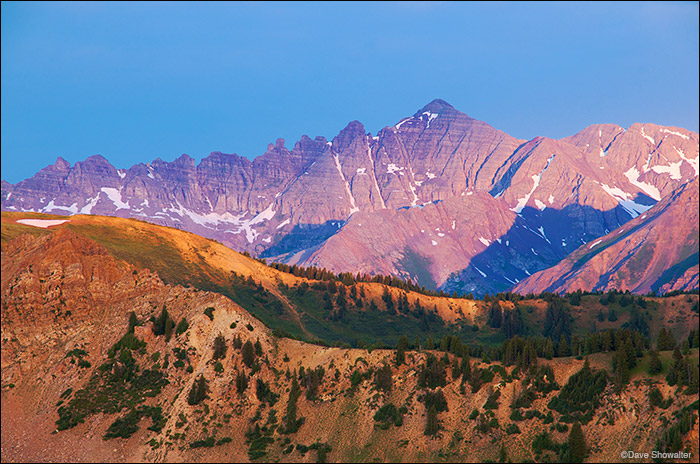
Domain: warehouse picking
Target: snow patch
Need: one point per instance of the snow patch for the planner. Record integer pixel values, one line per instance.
(73, 209)
(541, 206)
(594, 244)
(480, 271)
(250, 233)
(651, 140)
(536, 181)
(353, 207)
(392, 168)
(624, 199)
(361, 170)
(453, 224)
(430, 115)
(433, 242)
(541, 229)
(43, 223)
(692, 161)
(116, 197)
(374, 177)
(550, 199)
(91, 202)
(398, 126)
(683, 136)
(284, 223)
(484, 241)
(121, 173)
(673, 170)
(632, 175)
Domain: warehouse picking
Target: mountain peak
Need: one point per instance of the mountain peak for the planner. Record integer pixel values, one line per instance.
(436, 106)
(61, 164)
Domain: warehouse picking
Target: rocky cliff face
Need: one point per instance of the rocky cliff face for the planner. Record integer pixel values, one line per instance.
(657, 251)
(305, 205)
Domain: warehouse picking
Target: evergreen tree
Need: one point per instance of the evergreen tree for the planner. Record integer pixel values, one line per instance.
(549, 349)
(655, 366)
(502, 455)
(182, 326)
(629, 353)
(291, 424)
(563, 350)
(241, 382)
(133, 322)
(577, 443)
(198, 392)
(622, 371)
(161, 322)
(694, 384)
(169, 327)
(456, 371)
(575, 298)
(665, 341)
(219, 347)
(432, 425)
(495, 317)
(382, 378)
(401, 350)
(676, 371)
(248, 354)
(466, 366)
(655, 397)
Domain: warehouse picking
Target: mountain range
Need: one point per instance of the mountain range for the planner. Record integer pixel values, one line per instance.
(439, 198)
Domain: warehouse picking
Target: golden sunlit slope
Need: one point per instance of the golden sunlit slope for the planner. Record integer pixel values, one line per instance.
(180, 257)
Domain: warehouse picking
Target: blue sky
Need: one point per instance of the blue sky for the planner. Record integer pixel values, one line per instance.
(136, 81)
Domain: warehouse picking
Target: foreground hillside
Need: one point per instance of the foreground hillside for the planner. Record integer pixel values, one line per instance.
(180, 374)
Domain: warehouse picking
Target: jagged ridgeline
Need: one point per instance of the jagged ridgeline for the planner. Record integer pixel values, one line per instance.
(438, 197)
(182, 374)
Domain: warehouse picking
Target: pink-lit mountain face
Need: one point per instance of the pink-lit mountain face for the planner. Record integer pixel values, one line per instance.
(657, 251)
(440, 197)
